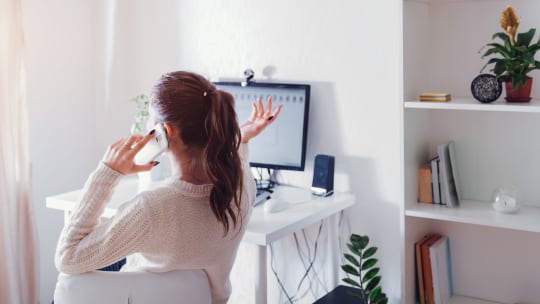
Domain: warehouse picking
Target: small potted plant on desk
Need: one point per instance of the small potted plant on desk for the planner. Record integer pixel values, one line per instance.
(142, 103)
(362, 264)
(517, 57)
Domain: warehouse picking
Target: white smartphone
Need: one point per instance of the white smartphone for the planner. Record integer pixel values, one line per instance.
(154, 147)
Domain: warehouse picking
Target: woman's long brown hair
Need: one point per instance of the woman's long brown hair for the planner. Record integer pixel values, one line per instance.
(207, 121)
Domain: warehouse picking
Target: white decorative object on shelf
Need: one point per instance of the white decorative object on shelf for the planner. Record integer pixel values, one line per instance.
(505, 200)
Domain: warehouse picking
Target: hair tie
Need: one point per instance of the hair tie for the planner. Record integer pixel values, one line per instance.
(208, 92)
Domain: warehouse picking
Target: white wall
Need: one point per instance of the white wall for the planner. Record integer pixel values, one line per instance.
(349, 51)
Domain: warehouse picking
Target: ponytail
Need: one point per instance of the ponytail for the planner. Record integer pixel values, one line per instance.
(223, 163)
(207, 121)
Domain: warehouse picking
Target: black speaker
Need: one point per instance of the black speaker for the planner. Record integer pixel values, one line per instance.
(323, 175)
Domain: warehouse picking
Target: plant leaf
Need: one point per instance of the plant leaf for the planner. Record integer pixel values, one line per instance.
(351, 282)
(503, 37)
(360, 240)
(355, 237)
(382, 299)
(374, 294)
(524, 39)
(369, 263)
(356, 245)
(369, 252)
(354, 250)
(352, 259)
(350, 270)
(356, 241)
(496, 48)
(364, 241)
(499, 68)
(370, 274)
(533, 48)
(373, 283)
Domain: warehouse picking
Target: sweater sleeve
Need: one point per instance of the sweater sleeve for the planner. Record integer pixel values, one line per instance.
(243, 151)
(86, 243)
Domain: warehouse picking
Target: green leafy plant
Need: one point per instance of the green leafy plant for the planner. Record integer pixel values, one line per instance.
(362, 265)
(517, 56)
(142, 103)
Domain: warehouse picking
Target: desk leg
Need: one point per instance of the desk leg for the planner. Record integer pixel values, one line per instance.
(333, 246)
(260, 278)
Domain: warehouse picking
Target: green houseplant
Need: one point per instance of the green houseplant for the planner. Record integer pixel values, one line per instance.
(362, 265)
(516, 56)
(142, 103)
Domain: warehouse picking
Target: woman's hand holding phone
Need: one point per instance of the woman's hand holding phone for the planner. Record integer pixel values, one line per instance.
(121, 154)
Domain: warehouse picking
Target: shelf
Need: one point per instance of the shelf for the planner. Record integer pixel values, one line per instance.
(479, 213)
(473, 105)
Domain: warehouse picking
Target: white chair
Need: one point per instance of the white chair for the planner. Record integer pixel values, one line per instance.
(179, 286)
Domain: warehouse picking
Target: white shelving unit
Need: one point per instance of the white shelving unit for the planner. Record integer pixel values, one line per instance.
(494, 256)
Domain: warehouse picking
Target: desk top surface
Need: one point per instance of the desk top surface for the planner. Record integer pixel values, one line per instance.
(263, 228)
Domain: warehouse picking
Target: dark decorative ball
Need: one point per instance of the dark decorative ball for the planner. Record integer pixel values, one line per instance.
(486, 88)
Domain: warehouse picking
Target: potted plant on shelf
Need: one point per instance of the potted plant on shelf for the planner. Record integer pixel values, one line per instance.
(517, 57)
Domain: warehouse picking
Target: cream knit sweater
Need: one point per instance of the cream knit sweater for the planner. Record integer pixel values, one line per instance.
(165, 229)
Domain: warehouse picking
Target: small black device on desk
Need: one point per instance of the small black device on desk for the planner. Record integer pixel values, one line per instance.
(323, 175)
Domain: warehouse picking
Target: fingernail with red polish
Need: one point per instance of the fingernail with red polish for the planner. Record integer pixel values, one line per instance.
(152, 132)
(156, 163)
(270, 118)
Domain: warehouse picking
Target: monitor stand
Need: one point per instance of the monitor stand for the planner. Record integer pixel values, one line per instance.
(263, 194)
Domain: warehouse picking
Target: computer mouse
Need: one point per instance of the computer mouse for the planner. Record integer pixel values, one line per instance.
(274, 205)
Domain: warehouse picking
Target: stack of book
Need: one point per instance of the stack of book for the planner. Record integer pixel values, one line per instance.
(437, 179)
(433, 269)
(435, 97)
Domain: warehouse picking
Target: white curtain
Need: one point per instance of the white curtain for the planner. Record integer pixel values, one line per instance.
(18, 263)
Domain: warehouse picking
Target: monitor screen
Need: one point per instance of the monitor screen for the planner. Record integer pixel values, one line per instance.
(283, 144)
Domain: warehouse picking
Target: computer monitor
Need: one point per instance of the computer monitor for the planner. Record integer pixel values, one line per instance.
(282, 145)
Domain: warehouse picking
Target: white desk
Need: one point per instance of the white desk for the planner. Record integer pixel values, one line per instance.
(262, 228)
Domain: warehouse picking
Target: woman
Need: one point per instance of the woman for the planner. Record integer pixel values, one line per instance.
(194, 221)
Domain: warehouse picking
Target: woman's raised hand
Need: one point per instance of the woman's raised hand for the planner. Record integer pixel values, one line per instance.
(120, 155)
(260, 118)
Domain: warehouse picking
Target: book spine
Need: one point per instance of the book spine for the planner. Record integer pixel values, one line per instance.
(425, 194)
(426, 263)
(433, 99)
(447, 180)
(453, 164)
(435, 180)
(439, 254)
(443, 189)
(419, 268)
(435, 94)
(435, 275)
